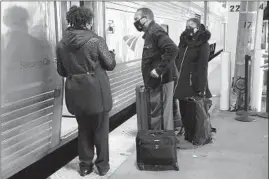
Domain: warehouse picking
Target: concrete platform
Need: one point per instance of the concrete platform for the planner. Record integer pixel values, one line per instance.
(121, 146)
(239, 151)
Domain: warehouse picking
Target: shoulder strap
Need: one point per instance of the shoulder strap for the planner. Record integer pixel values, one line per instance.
(162, 107)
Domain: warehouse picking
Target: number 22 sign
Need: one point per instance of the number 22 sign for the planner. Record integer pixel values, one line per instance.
(234, 8)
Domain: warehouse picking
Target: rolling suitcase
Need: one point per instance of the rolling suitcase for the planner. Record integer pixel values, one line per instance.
(141, 107)
(155, 149)
(142, 111)
(176, 114)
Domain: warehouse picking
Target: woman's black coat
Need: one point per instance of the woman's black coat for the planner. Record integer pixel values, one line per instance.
(192, 64)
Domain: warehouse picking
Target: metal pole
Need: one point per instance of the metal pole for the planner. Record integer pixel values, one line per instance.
(1, 78)
(265, 114)
(224, 37)
(245, 116)
(205, 13)
(267, 47)
(267, 92)
(247, 59)
(267, 44)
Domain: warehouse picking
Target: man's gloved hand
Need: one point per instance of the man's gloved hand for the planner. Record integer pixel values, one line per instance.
(154, 74)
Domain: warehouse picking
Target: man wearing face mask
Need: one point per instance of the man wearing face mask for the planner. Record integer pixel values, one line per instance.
(158, 66)
(192, 64)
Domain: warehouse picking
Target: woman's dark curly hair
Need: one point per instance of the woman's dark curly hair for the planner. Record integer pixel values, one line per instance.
(79, 16)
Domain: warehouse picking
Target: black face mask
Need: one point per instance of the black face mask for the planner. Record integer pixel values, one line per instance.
(138, 25)
(189, 31)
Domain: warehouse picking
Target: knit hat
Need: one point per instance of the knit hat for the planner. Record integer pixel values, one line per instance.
(196, 21)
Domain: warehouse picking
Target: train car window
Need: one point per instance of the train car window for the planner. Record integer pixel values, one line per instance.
(121, 37)
(74, 3)
(28, 78)
(65, 6)
(165, 27)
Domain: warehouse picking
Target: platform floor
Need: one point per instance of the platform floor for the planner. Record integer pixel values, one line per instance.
(122, 144)
(239, 151)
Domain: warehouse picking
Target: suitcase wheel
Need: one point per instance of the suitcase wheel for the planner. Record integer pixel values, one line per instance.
(141, 166)
(176, 167)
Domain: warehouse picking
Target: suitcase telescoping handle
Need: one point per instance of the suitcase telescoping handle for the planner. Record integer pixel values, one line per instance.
(162, 107)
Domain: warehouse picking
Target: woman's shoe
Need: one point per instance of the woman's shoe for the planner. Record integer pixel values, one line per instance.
(85, 171)
(101, 172)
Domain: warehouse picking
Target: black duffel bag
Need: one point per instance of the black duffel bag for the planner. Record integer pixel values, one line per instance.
(198, 129)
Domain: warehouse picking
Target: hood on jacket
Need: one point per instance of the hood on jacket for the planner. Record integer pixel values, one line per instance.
(76, 38)
(201, 37)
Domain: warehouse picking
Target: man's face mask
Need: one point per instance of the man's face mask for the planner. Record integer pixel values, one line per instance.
(138, 25)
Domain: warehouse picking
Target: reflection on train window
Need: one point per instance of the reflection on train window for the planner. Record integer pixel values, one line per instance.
(28, 49)
(165, 27)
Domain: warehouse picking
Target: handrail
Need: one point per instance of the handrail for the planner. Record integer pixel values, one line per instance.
(214, 55)
(69, 116)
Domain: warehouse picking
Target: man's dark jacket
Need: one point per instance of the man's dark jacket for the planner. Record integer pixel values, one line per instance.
(192, 64)
(159, 53)
(81, 51)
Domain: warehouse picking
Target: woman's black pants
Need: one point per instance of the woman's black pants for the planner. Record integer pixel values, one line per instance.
(186, 122)
(93, 130)
(182, 107)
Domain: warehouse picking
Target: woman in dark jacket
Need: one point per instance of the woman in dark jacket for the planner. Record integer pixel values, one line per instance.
(192, 63)
(83, 58)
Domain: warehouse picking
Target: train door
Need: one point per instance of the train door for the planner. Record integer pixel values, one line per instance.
(31, 98)
(68, 122)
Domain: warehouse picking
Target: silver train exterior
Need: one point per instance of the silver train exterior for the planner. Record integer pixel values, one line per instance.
(31, 90)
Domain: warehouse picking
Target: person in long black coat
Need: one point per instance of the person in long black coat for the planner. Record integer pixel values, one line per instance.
(192, 63)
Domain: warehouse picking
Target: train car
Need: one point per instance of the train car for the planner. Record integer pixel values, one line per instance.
(32, 95)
